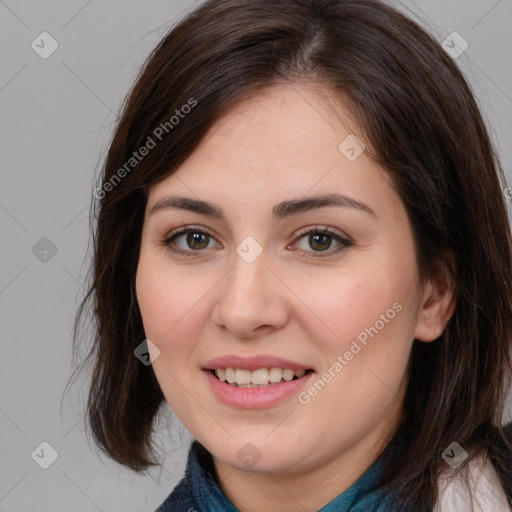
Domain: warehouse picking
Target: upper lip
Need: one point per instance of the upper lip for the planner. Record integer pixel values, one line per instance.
(253, 362)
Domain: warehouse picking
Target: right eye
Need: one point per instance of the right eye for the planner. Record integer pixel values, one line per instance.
(188, 240)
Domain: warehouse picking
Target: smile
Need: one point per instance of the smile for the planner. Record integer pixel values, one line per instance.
(259, 378)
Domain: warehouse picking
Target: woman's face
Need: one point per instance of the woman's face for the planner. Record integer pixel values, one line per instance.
(290, 256)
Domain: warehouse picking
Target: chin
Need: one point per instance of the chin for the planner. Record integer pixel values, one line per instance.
(257, 454)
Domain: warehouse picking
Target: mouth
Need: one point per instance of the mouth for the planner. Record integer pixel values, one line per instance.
(256, 381)
(258, 378)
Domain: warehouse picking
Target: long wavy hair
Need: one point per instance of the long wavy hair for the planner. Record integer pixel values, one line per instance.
(421, 122)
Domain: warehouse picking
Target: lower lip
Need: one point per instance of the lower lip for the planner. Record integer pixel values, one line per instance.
(254, 398)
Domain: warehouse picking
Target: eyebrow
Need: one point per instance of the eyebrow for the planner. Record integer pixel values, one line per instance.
(280, 210)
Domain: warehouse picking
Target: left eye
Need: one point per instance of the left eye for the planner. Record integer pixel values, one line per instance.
(322, 240)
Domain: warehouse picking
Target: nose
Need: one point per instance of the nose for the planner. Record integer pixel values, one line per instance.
(252, 301)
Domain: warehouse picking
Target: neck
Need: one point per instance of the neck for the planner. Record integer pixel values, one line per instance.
(307, 490)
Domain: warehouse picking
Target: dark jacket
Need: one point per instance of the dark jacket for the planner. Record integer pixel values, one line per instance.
(199, 490)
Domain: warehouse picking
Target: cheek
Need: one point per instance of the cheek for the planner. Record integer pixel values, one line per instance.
(166, 301)
(167, 305)
(365, 365)
(352, 305)
(370, 314)
(374, 319)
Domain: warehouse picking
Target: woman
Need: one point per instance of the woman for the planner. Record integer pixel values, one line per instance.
(301, 226)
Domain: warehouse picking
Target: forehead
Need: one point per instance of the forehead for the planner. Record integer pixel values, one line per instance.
(284, 141)
(293, 119)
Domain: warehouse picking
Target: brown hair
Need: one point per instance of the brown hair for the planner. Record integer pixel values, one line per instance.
(421, 121)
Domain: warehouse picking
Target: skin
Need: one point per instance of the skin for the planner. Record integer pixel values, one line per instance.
(279, 145)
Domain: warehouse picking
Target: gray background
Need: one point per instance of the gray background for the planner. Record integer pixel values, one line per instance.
(56, 117)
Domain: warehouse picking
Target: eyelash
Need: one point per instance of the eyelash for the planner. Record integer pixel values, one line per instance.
(173, 235)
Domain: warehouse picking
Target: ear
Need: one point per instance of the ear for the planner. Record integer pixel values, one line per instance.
(437, 303)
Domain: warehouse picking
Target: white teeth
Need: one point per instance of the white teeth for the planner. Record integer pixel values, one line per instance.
(288, 374)
(243, 376)
(230, 375)
(260, 376)
(276, 374)
(257, 378)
